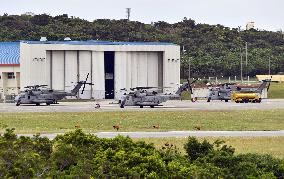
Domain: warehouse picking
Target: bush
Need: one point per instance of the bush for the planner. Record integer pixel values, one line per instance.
(80, 155)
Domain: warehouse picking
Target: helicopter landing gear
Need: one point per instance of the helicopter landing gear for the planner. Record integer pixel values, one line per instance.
(18, 104)
(48, 104)
(122, 103)
(141, 106)
(98, 106)
(37, 104)
(209, 99)
(151, 106)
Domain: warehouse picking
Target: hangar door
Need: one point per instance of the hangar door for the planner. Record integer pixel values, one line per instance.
(109, 74)
(138, 69)
(64, 68)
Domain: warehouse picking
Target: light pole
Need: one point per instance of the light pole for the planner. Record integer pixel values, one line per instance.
(188, 68)
(183, 50)
(269, 65)
(246, 54)
(241, 65)
(188, 62)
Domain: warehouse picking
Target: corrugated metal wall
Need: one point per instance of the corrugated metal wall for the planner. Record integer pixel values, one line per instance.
(64, 68)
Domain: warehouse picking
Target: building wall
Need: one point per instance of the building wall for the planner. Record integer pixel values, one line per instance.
(60, 66)
(9, 86)
(249, 25)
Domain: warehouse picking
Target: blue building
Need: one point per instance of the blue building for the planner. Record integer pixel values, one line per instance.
(9, 68)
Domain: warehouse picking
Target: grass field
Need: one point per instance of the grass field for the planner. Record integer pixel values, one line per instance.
(276, 91)
(143, 121)
(260, 145)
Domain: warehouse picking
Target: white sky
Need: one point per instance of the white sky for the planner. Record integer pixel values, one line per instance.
(267, 14)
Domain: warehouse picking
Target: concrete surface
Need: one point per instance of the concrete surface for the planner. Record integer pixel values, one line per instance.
(178, 134)
(171, 105)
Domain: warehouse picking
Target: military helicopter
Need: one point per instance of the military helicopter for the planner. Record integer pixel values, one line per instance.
(36, 95)
(140, 96)
(221, 92)
(250, 95)
(224, 91)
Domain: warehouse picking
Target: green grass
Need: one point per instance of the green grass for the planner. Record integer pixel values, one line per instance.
(185, 95)
(261, 145)
(276, 91)
(143, 121)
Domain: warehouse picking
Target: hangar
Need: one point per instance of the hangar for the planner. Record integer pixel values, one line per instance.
(9, 69)
(112, 66)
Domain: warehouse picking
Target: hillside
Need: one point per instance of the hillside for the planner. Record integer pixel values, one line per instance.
(214, 49)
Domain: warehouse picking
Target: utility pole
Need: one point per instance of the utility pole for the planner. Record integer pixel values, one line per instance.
(269, 65)
(128, 11)
(246, 54)
(241, 65)
(188, 68)
(183, 50)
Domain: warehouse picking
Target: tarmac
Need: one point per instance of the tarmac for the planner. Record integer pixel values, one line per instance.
(179, 134)
(171, 105)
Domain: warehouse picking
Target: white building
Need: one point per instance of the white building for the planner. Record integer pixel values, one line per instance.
(249, 25)
(112, 65)
(9, 68)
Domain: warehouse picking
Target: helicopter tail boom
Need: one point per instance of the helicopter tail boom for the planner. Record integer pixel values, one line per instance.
(76, 89)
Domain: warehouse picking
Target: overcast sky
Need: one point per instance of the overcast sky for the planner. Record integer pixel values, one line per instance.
(267, 14)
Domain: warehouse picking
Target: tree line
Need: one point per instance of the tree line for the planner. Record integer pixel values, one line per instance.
(79, 155)
(213, 50)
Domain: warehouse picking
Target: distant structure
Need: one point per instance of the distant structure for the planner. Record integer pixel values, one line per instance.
(29, 14)
(128, 11)
(9, 68)
(113, 66)
(250, 25)
(67, 39)
(43, 39)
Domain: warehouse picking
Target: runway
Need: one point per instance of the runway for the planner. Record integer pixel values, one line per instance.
(172, 105)
(177, 134)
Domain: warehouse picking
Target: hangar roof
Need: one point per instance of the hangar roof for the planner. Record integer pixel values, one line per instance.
(9, 53)
(97, 42)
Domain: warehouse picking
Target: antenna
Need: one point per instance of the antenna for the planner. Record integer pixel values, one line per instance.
(128, 11)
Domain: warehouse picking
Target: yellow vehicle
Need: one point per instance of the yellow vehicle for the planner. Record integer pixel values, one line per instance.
(245, 97)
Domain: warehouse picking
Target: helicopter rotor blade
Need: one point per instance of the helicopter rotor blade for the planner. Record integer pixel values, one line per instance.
(83, 88)
(85, 82)
(87, 77)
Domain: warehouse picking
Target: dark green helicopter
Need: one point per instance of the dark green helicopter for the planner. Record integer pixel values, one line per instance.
(37, 94)
(140, 96)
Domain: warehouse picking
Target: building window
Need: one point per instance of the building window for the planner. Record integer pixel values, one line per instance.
(11, 76)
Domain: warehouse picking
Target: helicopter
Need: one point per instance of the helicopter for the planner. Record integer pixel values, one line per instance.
(140, 96)
(221, 92)
(225, 91)
(36, 95)
(250, 95)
